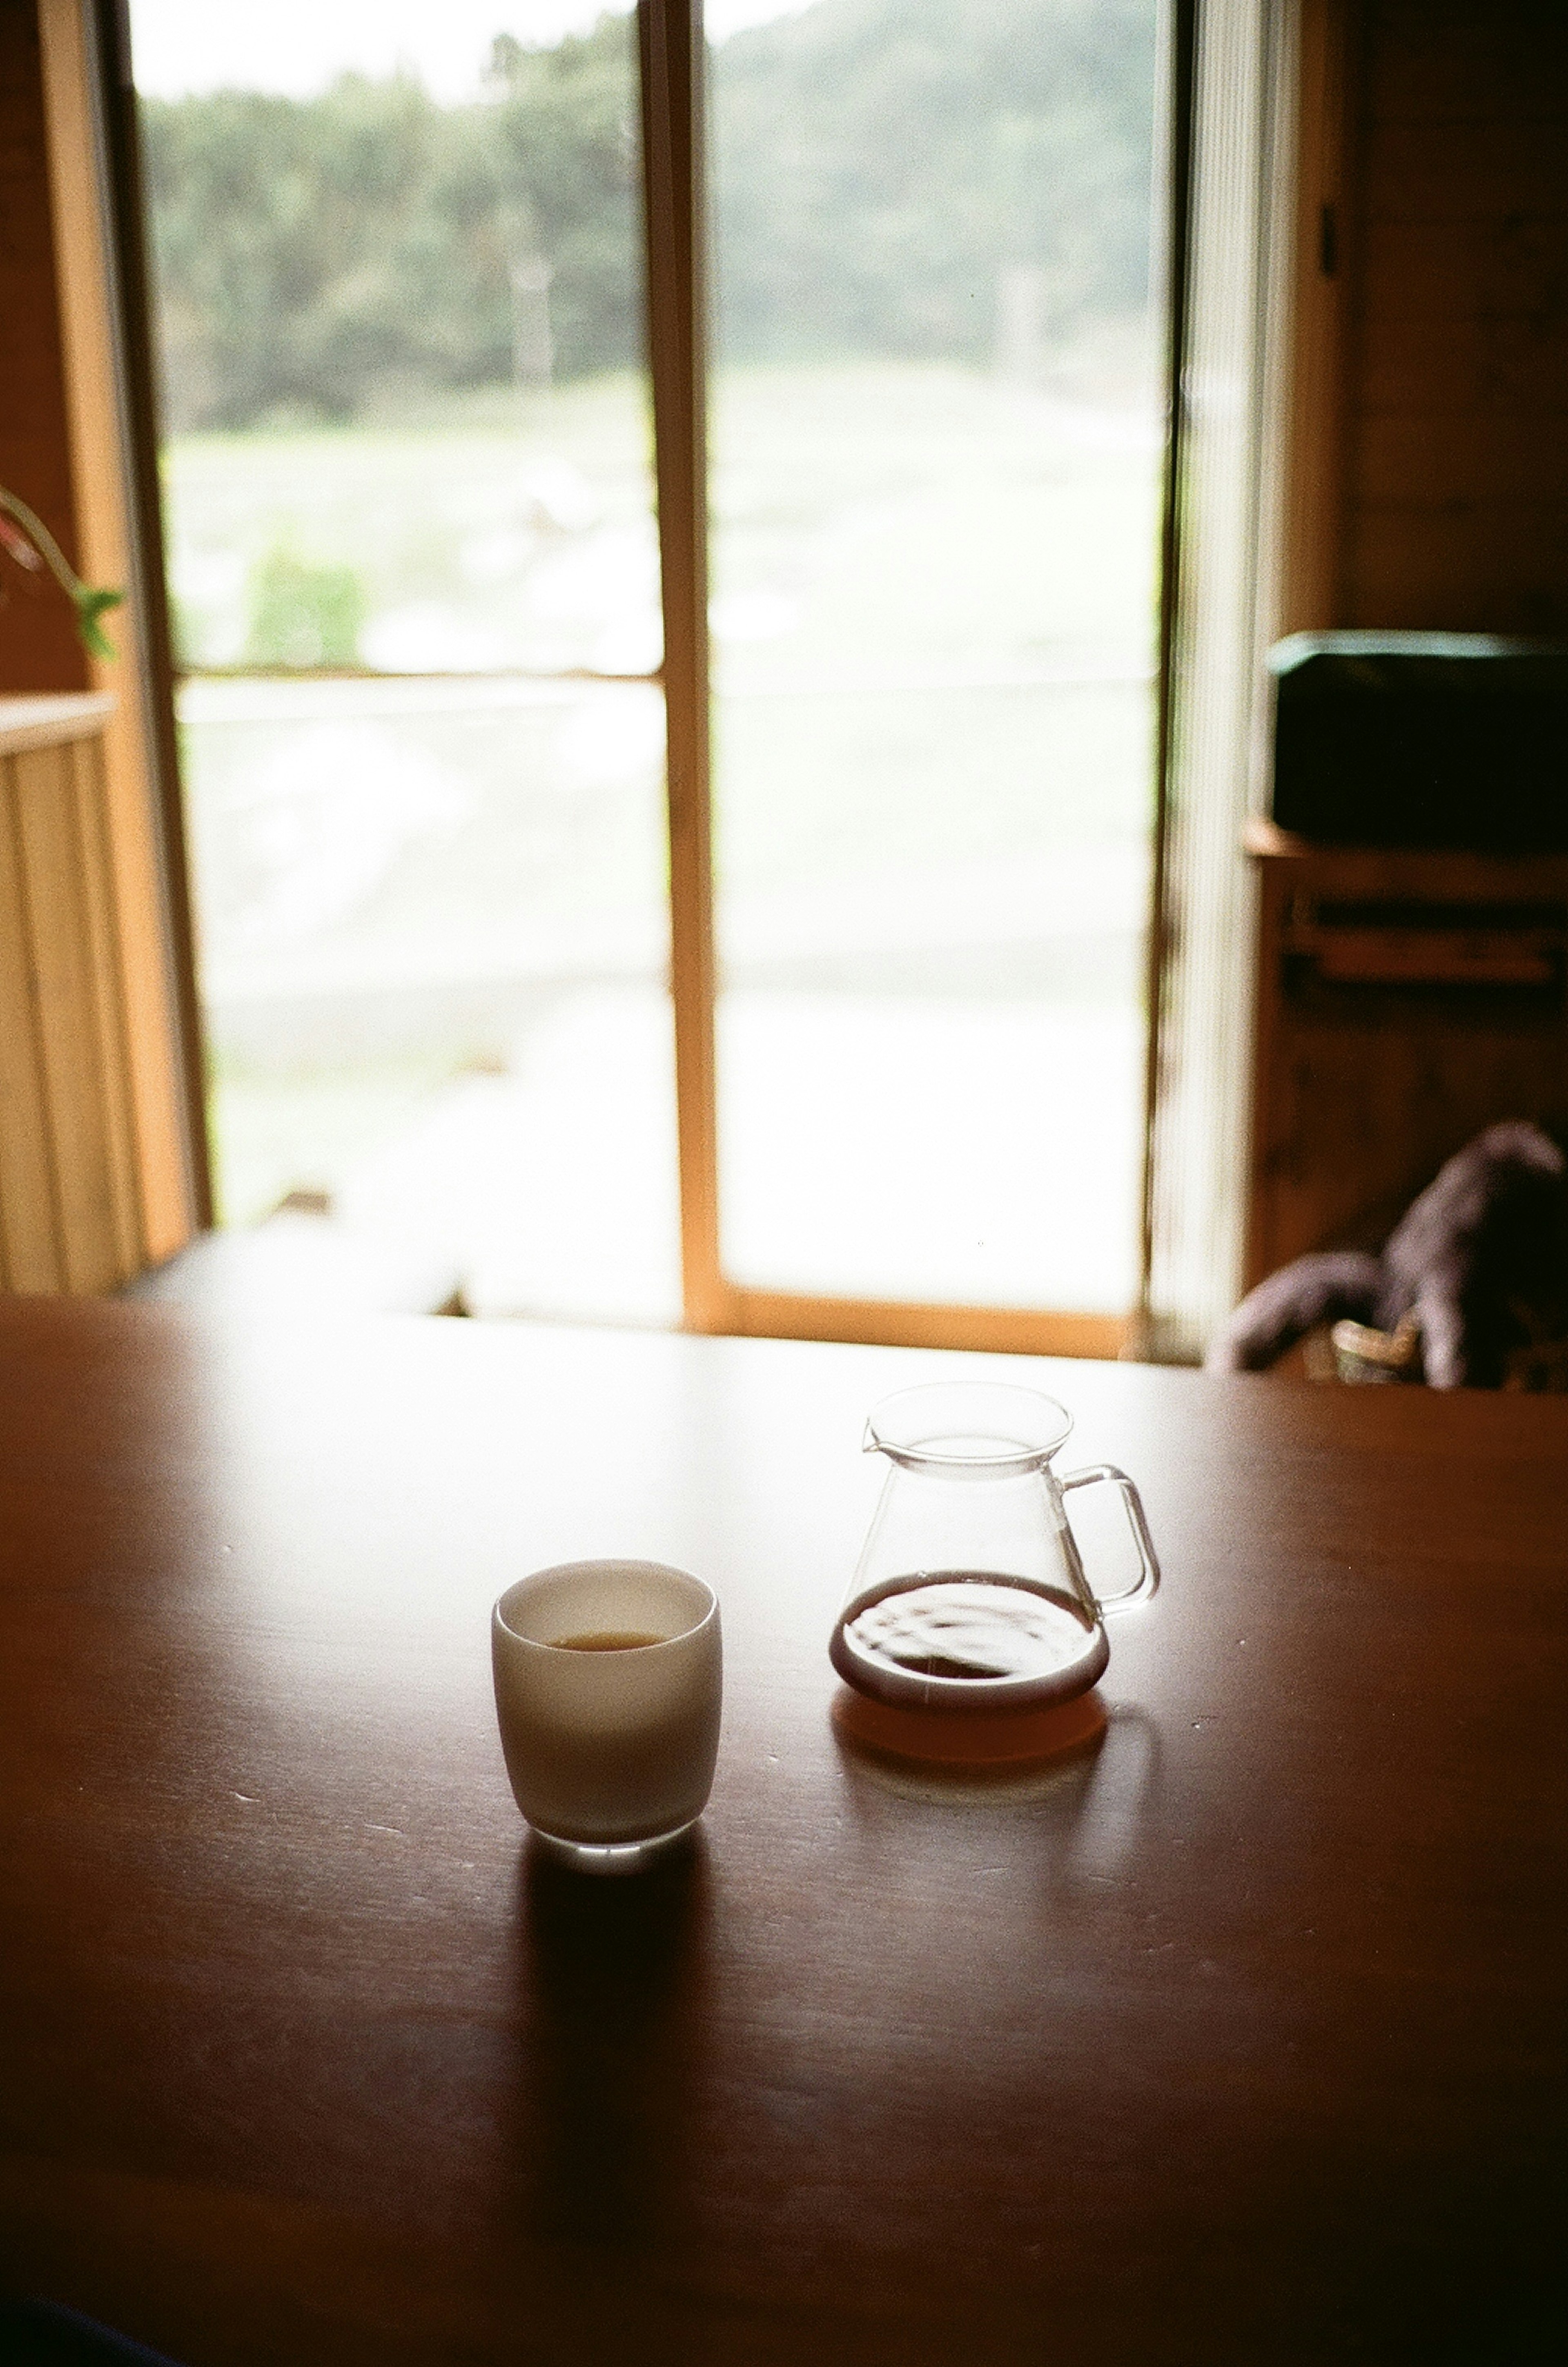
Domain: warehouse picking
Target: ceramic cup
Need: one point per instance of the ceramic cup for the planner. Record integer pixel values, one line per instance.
(608, 1678)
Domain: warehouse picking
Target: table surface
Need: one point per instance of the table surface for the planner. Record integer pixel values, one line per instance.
(1237, 2039)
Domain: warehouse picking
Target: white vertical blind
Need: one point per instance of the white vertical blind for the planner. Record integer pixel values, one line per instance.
(1229, 382)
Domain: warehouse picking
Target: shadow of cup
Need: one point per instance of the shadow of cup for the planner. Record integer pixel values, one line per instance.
(610, 1979)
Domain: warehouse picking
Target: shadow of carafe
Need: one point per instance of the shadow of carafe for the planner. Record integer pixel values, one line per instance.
(972, 1761)
(1075, 1817)
(1116, 1819)
(611, 1979)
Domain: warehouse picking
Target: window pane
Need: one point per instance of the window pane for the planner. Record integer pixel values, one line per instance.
(397, 268)
(477, 529)
(433, 955)
(937, 444)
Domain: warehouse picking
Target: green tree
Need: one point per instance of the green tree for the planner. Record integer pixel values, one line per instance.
(565, 144)
(286, 237)
(877, 165)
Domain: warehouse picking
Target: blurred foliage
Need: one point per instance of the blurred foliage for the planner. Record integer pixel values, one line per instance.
(877, 166)
(312, 256)
(302, 614)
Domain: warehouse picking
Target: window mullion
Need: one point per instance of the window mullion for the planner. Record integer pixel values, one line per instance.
(670, 41)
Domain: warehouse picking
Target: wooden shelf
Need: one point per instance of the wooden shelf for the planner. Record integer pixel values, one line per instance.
(1406, 998)
(1440, 871)
(52, 721)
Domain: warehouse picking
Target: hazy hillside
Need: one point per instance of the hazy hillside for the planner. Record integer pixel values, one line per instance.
(878, 165)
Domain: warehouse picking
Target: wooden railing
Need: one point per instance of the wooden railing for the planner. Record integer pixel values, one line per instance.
(71, 1217)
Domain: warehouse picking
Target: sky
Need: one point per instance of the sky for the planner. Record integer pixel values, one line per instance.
(301, 46)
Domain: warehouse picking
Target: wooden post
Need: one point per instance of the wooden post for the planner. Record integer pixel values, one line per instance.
(152, 923)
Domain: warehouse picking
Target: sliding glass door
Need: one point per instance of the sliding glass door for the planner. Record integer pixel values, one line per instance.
(936, 463)
(408, 497)
(875, 606)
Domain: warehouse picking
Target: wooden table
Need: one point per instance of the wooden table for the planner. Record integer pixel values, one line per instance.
(1240, 2039)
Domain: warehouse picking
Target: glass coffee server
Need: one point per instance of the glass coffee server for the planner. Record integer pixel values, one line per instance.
(971, 1594)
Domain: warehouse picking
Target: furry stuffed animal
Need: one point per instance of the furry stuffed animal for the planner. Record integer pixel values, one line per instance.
(1476, 1261)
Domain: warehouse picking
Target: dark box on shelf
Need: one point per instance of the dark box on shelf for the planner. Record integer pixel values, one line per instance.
(1421, 740)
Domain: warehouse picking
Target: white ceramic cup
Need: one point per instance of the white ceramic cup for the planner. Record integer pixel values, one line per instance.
(610, 1748)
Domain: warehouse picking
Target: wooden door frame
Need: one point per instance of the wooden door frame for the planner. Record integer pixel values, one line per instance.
(111, 431)
(100, 235)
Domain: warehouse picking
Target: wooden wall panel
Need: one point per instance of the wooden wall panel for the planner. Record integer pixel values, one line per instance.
(1429, 469)
(1457, 61)
(1456, 510)
(69, 1208)
(1316, 324)
(105, 846)
(39, 648)
(57, 933)
(1491, 567)
(29, 1223)
(144, 838)
(103, 943)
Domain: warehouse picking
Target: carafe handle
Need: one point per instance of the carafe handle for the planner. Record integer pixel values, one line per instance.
(1147, 1579)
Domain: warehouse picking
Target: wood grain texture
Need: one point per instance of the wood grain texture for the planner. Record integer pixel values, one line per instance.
(29, 1221)
(59, 938)
(1449, 61)
(60, 951)
(111, 1031)
(1358, 1099)
(38, 647)
(1239, 2038)
(1321, 276)
(1457, 506)
(70, 1215)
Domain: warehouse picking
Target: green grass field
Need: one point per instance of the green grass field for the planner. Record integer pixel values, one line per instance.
(932, 607)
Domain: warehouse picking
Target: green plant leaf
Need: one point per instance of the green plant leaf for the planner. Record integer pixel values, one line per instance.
(91, 603)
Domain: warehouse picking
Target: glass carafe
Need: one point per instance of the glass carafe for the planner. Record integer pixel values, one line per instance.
(970, 1594)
